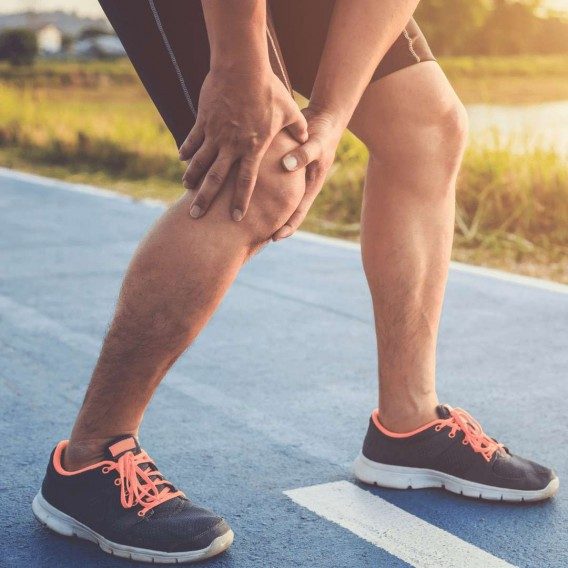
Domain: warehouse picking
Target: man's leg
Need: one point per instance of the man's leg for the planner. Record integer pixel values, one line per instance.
(415, 129)
(175, 281)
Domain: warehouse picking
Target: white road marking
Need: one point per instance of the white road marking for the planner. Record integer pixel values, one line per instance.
(299, 235)
(401, 534)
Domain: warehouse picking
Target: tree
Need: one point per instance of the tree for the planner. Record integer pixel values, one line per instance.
(451, 25)
(66, 43)
(18, 46)
(91, 32)
(511, 29)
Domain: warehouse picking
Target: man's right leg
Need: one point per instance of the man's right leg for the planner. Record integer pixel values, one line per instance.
(175, 281)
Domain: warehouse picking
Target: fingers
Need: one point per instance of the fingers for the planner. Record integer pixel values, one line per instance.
(212, 184)
(314, 183)
(302, 156)
(192, 143)
(246, 180)
(198, 166)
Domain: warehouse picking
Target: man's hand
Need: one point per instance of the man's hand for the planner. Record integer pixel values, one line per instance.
(316, 155)
(240, 112)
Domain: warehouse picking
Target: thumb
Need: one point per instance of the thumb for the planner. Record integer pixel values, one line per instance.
(303, 155)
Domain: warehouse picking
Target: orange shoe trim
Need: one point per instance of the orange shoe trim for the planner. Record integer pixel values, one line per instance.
(387, 432)
(62, 471)
(122, 446)
(138, 485)
(458, 421)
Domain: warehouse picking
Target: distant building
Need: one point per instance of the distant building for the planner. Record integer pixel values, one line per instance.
(49, 39)
(56, 31)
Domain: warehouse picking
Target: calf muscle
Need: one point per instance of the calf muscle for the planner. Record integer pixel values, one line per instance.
(175, 281)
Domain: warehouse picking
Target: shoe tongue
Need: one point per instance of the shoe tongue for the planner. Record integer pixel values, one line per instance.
(120, 445)
(443, 411)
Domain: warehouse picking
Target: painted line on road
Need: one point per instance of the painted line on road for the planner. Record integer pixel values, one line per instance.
(299, 235)
(400, 533)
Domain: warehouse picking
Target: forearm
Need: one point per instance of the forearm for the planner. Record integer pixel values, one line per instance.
(359, 36)
(237, 33)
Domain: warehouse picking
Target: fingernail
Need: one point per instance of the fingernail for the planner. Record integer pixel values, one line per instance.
(290, 162)
(284, 233)
(237, 215)
(195, 211)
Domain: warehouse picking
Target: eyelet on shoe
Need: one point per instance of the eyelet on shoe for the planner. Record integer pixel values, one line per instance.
(452, 435)
(465, 442)
(106, 469)
(438, 428)
(141, 513)
(117, 481)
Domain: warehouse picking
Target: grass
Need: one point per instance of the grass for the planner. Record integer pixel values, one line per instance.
(512, 208)
(508, 80)
(491, 80)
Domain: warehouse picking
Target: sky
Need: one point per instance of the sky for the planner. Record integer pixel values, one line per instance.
(92, 8)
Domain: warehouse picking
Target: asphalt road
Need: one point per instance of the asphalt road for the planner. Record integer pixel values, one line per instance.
(274, 396)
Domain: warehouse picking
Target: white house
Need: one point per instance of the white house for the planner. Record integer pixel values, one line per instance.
(49, 39)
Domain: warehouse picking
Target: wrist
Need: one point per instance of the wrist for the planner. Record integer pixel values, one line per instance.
(253, 65)
(335, 118)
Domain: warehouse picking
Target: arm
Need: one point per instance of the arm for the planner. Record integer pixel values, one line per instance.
(360, 34)
(242, 106)
(237, 34)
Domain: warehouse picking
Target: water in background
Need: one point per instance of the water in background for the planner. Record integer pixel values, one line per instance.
(521, 127)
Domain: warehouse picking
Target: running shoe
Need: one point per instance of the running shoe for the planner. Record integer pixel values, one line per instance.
(126, 506)
(455, 454)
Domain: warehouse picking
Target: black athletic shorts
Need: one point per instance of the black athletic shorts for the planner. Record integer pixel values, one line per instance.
(167, 43)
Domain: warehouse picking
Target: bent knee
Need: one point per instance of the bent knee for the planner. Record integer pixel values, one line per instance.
(453, 127)
(436, 136)
(277, 192)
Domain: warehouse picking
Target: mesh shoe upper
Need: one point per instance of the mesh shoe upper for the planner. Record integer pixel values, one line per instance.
(95, 497)
(456, 445)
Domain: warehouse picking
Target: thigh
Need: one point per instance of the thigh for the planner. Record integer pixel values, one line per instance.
(302, 27)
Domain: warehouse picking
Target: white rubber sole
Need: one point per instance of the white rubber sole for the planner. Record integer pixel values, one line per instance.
(65, 525)
(399, 477)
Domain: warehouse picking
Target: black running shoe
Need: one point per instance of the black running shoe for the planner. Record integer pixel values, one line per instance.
(455, 454)
(125, 505)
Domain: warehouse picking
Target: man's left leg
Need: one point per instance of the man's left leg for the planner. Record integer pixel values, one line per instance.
(414, 127)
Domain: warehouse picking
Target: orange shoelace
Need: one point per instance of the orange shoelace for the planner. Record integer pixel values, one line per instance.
(480, 442)
(140, 486)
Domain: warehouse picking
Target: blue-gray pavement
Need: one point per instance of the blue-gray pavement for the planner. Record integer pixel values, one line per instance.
(274, 395)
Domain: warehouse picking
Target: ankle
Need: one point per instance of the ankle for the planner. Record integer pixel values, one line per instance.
(78, 455)
(81, 453)
(405, 418)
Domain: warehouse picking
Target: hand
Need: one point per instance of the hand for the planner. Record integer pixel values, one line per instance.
(316, 155)
(239, 114)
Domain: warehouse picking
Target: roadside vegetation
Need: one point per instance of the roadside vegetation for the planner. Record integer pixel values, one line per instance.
(93, 123)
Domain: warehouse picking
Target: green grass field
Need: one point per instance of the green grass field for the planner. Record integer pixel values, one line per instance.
(93, 123)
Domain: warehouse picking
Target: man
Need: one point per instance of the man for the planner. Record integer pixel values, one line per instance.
(221, 74)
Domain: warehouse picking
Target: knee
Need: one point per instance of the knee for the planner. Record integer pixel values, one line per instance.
(276, 195)
(427, 145)
(451, 127)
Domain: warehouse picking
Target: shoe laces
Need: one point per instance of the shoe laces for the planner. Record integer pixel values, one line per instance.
(144, 486)
(480, 442)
